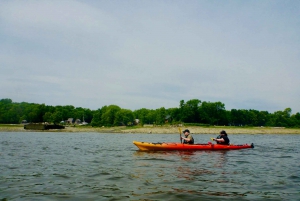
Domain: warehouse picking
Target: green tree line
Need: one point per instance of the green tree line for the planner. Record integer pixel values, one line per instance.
(192, 112)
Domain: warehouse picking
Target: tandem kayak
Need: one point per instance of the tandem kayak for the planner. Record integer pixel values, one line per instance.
(173, 146)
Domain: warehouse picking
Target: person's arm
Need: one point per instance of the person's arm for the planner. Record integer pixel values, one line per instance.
(187, 139)
(219, 140)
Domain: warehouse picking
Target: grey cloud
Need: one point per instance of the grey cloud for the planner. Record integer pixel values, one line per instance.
(150, 54)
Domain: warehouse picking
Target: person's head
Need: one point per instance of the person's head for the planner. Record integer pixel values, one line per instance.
(186, 132)
(223, 133)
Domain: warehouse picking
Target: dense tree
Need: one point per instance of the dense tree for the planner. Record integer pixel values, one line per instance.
(109, 115)
(56, 117)
(160, 116)
(281, 118)
(295, 120)
(96, 121)
(192, 111)
(173, 115)
(47, 117)
(151, 117)
(213, 113)
(124, 117)
(141, 114)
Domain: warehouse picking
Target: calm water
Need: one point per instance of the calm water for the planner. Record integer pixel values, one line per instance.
(92, 166)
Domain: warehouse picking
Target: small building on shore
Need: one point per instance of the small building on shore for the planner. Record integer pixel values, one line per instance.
(69, 121)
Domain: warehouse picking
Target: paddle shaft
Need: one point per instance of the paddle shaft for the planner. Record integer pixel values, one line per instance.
(179, 129)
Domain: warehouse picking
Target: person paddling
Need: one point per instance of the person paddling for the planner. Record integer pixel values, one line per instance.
(188, 138)
(222, 138)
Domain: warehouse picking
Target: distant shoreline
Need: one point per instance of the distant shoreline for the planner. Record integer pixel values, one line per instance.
(160, 129)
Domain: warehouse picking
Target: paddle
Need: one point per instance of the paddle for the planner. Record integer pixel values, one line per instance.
(212, 139)
(179, 129)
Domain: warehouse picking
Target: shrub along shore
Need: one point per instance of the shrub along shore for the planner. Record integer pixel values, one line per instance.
(160, 129)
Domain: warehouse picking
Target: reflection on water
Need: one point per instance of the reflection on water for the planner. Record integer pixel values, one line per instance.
(175, 162)
(186, 174)
(91, 166)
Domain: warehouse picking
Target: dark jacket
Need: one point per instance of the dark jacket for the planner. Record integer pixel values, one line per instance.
(226, 139)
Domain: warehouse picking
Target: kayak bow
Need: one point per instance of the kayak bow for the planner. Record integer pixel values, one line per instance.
(172, 146)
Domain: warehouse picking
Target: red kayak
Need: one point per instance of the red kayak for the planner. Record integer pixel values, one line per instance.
(172, 146)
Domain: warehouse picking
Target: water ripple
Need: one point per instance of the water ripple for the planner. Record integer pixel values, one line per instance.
(66, 166)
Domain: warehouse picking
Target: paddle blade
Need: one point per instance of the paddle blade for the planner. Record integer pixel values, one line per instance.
(179, 129)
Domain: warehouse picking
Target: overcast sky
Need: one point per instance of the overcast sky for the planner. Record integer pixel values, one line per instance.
(151, 54)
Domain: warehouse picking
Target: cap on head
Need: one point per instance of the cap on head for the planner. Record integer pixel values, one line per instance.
(186, 130)
(223, 132)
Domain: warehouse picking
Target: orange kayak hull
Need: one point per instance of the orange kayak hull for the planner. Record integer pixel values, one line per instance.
(174, 146)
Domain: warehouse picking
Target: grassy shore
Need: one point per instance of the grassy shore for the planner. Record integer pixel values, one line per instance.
(162, 129)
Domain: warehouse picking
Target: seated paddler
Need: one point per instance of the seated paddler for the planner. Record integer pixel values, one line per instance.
(188, 138)
(222, 138)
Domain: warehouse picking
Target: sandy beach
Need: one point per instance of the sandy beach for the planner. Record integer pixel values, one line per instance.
(162, 129)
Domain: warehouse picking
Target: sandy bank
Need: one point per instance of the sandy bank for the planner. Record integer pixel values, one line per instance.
(216, 130)
(162, 130)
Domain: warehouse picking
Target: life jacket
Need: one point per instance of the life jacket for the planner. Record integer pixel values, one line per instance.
(190, 142)
(227, 141)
